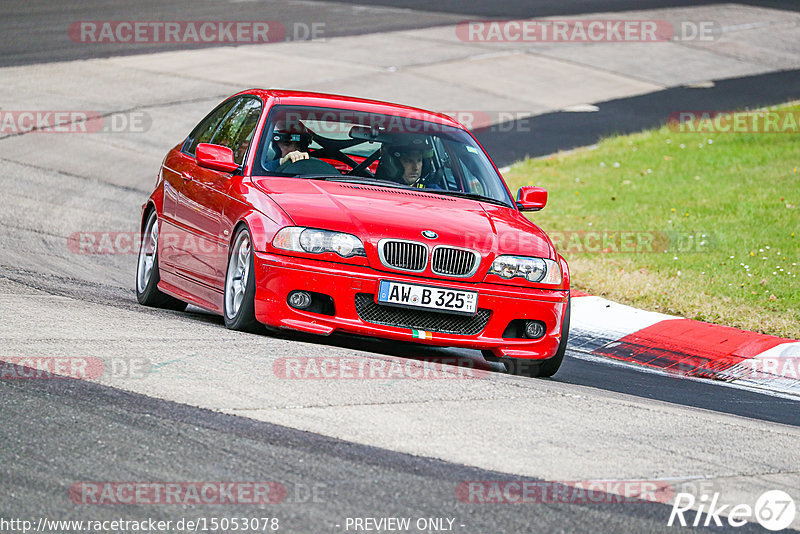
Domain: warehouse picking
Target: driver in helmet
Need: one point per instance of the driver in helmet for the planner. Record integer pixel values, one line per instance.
(290, 142)
(405, 162)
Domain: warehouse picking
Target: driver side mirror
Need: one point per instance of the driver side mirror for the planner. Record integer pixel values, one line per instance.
(219, 158)
(531, 198)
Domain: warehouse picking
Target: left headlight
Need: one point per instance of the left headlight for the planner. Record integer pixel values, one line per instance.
(539, 270)
(316, 241)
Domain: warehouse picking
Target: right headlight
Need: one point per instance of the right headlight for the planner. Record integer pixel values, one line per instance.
(539, 270)
(316, 241)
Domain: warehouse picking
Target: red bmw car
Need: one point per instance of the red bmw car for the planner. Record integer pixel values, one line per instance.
(323, 213)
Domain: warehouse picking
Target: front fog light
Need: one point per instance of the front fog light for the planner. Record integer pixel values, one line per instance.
(534, 329)
(299, 300)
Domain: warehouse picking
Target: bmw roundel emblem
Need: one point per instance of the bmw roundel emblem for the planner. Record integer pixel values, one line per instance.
(430, 234)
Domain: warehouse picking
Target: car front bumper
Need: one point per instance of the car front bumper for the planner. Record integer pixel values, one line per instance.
(276, 276)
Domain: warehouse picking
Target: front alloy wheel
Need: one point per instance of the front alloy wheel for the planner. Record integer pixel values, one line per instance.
(240, 285)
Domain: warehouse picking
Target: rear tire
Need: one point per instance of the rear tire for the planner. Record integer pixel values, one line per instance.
(240, 285)
(147, 273)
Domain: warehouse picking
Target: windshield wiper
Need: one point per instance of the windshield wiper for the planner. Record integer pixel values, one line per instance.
(351, 179)
(364, 180)
(473, 196)
(311, 176)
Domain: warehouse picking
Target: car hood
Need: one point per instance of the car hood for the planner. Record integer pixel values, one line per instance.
(373, 213)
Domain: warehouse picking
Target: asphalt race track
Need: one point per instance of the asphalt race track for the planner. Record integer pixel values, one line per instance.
(211, 407)
(33, 31)
(158, 440)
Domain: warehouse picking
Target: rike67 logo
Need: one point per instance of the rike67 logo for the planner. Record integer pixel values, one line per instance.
(774, 510)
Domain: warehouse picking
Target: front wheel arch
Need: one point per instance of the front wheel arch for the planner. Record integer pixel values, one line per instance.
(149, 208)
(243, 317)
(149, 294)
(550, 366)
(538, 368)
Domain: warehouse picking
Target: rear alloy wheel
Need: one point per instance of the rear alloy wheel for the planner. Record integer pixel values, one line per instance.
(147, 274)
(240, 285)
(542, 368)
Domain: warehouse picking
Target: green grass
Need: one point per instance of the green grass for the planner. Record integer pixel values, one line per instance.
(742, 191)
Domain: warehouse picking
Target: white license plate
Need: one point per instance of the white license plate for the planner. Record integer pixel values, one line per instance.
(428, 297)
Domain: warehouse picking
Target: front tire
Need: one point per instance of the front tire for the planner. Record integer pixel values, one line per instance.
(240, 285)
(147, 273)
(542, 368)
(551, 366)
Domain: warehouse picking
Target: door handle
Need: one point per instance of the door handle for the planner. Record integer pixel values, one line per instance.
(186, 176)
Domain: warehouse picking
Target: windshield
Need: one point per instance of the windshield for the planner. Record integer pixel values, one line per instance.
(388, 150)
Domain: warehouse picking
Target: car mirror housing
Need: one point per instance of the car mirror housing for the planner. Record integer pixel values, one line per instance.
(531, 198)
(219, 158)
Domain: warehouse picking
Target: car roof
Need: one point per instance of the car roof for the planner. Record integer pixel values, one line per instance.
(307, 98)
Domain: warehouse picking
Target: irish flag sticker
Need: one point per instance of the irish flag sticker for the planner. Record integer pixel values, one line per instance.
(421, 334)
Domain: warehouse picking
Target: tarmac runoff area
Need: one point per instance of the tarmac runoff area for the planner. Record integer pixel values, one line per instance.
(58, 304)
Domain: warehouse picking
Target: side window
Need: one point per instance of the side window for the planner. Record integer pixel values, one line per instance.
(474, 184)
(237, 130)
(206, 129)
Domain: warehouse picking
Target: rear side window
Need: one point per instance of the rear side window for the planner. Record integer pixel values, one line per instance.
(205, 131)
